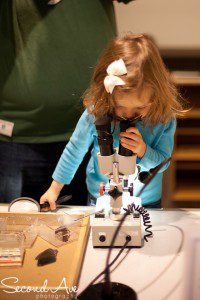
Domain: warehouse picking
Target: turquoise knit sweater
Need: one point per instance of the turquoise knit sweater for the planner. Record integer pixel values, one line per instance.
(159, 140)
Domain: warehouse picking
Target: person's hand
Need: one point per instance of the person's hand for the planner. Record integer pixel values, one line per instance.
(132, 140)
(51, 195)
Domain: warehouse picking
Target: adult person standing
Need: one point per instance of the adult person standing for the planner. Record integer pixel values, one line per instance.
(47, 53)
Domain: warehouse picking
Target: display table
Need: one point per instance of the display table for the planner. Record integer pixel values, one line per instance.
(155, 271)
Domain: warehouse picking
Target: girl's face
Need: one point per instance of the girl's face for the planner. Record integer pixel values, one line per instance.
(132, 105)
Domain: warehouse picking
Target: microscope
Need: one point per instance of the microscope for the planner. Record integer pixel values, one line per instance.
(118, 164)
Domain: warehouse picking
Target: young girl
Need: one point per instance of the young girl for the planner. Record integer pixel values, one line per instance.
(130, 81)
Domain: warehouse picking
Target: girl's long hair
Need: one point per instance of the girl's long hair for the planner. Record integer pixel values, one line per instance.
(145, 67)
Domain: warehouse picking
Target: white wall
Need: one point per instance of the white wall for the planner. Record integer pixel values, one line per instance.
(173, 23)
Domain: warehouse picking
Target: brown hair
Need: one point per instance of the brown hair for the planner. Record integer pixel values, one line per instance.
(144, 67)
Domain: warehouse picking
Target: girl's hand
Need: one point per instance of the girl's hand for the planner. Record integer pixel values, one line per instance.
(51, 195)
(132, 140)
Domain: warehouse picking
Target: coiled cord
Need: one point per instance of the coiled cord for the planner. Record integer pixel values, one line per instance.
(145, 216)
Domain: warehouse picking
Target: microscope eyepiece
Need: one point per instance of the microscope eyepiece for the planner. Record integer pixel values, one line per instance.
(125, 124)
(105, 139)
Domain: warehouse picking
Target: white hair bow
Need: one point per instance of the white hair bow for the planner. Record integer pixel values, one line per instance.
(115, 69)
(53, 2)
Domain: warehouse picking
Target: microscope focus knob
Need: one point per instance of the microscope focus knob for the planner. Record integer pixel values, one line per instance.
(102, 238)
(101, 189)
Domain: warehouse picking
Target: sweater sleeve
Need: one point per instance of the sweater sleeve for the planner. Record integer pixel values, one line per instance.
(75, 149)
(161, 150)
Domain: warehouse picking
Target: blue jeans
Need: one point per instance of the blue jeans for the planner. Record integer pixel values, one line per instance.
(156, 204)
(26, 170)
(91, 200)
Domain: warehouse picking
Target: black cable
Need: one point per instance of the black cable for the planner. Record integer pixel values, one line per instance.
(159, 275)
(112, 262)
(146, 219)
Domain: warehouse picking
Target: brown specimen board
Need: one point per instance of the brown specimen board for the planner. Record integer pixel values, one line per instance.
(66, 269)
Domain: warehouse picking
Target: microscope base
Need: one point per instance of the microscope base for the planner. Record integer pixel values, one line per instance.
(103, 230)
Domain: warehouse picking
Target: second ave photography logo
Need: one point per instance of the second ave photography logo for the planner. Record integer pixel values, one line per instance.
(12, 286)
